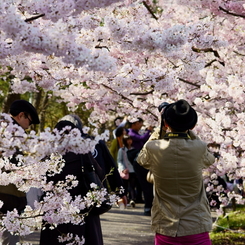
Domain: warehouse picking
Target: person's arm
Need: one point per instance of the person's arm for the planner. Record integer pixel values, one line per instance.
(208, 157)
(156, 133)
(120, 160)
(143, 158)
(123, 123)
(140, 138)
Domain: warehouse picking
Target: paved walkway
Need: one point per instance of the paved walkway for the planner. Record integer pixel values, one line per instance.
(121, 227)
(129, 227)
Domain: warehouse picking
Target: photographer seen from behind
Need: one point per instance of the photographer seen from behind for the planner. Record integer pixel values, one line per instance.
(180, 211)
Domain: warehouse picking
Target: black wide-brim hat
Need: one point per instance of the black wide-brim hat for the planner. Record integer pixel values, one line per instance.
(24, 106)
(180, 115)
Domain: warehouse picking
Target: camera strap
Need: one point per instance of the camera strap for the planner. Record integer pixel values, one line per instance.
(176, 135)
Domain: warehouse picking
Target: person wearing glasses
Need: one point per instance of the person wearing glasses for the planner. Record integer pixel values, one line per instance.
(23, 114)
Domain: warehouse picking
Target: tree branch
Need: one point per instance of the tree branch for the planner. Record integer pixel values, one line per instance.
(185, 81)
(205, 50)
(101, 47)
(34, 17)
(150, 11)
(239, 53)
(212, 61)
(231, 13)
(157, 79)
(146, 93)
(129, 100)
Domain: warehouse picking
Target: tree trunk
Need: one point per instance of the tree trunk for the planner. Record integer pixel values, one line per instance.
(8, 101)
(40, 102)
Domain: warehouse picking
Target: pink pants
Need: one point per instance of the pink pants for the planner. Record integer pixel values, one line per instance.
(197, 239)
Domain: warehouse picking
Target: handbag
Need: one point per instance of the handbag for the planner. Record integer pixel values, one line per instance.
(89, 175)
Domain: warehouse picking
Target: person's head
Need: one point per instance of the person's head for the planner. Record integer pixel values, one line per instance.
(127, 141)
(136, 124)
(120, 132)
(117, 121)
(62, 124)
(24, 113)
(180, 116)
(71, 120)
(75, 119)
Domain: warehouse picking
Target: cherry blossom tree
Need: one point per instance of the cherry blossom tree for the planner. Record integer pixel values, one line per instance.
(38, 157)
(126, 57)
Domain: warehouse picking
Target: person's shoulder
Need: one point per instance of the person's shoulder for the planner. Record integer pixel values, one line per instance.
(158, 143)
(197, 144)
(196, 138)
(130, 130)
(101, 142)
(121, 149)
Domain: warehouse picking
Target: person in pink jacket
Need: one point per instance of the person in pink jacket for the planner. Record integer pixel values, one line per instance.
(180, 211)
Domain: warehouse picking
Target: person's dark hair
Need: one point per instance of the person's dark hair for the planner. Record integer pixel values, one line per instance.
(119, 131)
(62, 124)
(140, 119)
(71, 120)
(74, 119)
(125, 140)
(117, 118)
(24, 106)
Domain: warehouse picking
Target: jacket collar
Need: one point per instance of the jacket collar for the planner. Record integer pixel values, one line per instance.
(176, 135)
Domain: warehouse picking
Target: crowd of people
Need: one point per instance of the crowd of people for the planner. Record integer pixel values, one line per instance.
(129, 140)
(173, 156)
(24, 114)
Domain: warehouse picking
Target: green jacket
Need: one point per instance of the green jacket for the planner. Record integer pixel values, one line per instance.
(114, 150)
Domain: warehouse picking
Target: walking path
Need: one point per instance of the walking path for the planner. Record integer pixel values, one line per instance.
(129, 226)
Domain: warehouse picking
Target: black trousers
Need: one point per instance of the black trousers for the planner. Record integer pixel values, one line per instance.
(147, 187)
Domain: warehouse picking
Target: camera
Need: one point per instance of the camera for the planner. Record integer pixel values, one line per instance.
(161, 108)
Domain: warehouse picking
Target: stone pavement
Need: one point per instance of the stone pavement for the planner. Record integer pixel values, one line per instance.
(129, 226)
